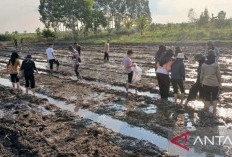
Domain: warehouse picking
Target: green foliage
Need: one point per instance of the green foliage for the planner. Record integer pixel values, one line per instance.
(5, 37)
(47, 33)
(141, 23)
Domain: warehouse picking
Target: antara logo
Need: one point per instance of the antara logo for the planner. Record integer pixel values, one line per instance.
(185, 135)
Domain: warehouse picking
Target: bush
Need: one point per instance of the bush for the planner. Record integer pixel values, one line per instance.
(5, 37)
(47, 33)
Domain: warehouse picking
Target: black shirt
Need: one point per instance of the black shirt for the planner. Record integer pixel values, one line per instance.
(28, 66)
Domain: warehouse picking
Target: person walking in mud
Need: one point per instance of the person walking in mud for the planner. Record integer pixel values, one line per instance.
(159, 53)
(16, 43)
(21, 42)
(211, 47)
(28, 66)
(162, 74)
(179, 50)
(76, 62)
(210, 79)
(13, 67)
(51, 58)
(197, 87)
(178, 77)
(128, 68)
(107, 50)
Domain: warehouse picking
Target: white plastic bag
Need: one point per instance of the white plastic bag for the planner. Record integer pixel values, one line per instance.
(137, 73)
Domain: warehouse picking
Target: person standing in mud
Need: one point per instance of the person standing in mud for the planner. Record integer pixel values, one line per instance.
(179, 50)
(13, 67)
(197, 87)
(107, 50)
(210, 79)
(51, 57)
(21, 42)
(128, 68)
(76, 61)
(16, 43)
(211, 47)
(28, 66)
(159, 53)
(178, 76)
(162, 73)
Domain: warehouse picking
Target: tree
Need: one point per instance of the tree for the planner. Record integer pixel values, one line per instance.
(222, 15)
(204, 18)
(192, 15)
(38, 32)
(128, 25)
(141, 24)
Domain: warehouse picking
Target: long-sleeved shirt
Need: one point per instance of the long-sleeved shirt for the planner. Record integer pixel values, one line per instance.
(178, 70)
(28, 66)
(210, 75)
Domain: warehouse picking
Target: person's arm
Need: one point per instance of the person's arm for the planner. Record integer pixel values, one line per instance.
(218, 74)
(169, 66)
(202, 74)
(183, 71)
(53, 55)
(34, 67)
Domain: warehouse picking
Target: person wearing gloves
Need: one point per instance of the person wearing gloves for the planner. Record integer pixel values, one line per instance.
(210, 79)
(178, 76)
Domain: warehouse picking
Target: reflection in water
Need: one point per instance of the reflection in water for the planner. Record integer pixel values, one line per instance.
(197, 105)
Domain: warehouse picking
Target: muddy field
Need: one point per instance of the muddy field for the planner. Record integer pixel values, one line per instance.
(112, 123)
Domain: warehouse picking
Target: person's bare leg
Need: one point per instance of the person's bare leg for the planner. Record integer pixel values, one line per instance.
(127, 87)
(18, 85)
(175, 97)
(207, 105)
(27, 89)
(186, 103)
(13, 85)
(182, 98)
(33, 91)
(215, 107)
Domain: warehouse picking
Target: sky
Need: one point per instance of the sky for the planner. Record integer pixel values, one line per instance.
(23, 15)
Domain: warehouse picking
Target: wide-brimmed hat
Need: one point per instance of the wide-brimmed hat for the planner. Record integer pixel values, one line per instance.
(180, 56)
(198, 57)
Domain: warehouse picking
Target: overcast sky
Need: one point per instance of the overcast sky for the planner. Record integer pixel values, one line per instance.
(23, 15)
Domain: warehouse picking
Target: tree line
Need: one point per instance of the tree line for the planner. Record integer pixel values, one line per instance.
(91, 15)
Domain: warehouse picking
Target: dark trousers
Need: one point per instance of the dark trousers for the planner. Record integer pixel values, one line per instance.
(106, 57)
(210, 93)
(194, 91)
(76, 69)
(30, 79)
(176, 83)
(14, 78)
(164, 85)
(52, 61)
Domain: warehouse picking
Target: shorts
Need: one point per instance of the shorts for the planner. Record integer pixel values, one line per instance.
(176, 83)
(210, 93)
(30, 79)
(130, 76)
(14, 78)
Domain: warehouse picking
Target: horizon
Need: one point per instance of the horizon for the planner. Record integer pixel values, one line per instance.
(25, 15)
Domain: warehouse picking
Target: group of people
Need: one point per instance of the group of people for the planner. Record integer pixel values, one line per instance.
(166, 61)
(208, 80)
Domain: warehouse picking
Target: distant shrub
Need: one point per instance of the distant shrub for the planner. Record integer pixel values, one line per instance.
(47, 33)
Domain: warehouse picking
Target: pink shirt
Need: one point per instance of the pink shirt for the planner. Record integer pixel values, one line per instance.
(127, 64)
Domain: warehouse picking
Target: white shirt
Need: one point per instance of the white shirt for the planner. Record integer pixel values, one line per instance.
(49, 52)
